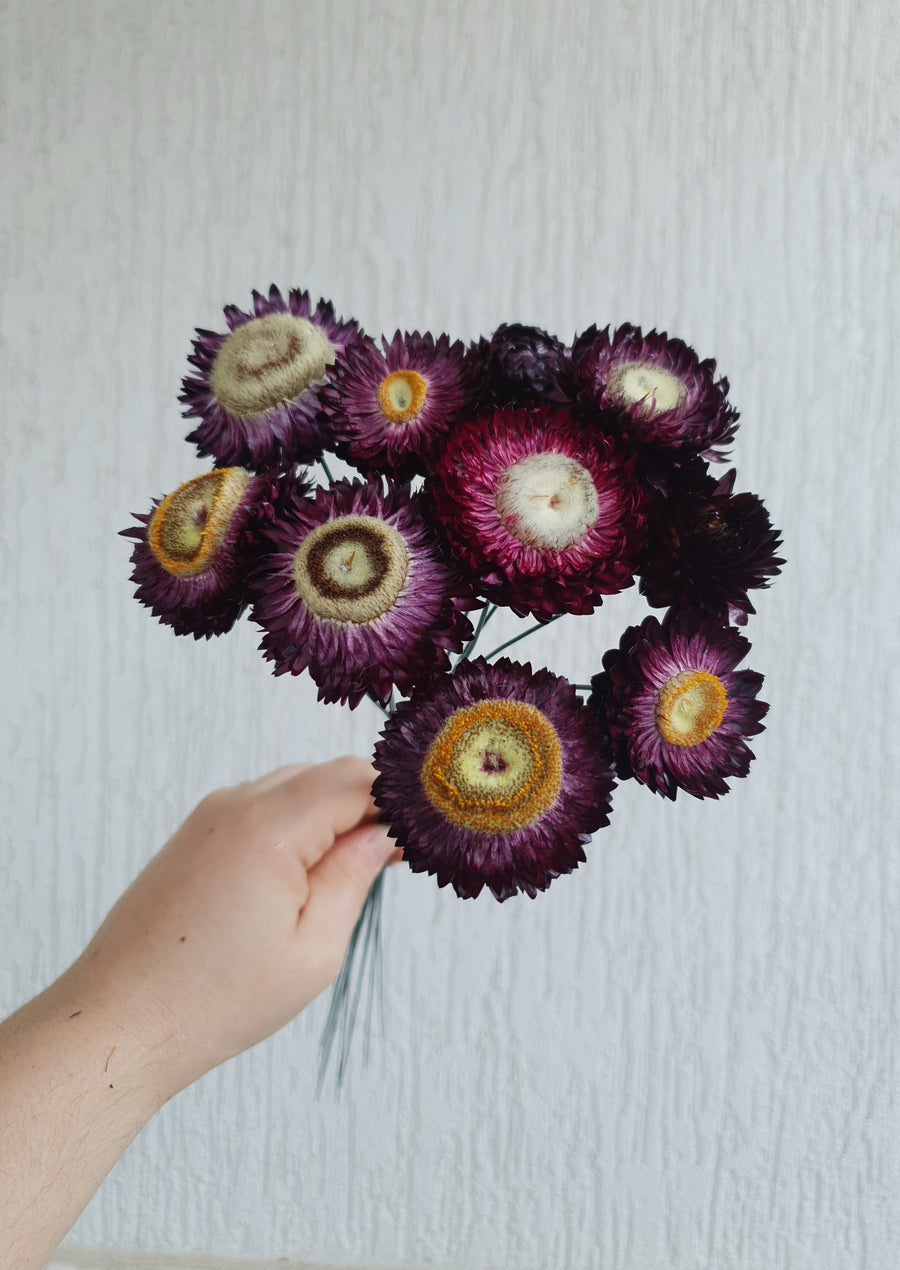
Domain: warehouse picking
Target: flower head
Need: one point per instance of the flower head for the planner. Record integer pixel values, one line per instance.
(495, 776)
(544, 512)
(520, 365)
(676, 711)
(707, 546)
(356, 587)
(257, 392)
(658, 390)
(388, 410)
(193, 549)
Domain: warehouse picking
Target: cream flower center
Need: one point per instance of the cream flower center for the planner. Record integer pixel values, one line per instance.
(187, 529)
(547, 501)
(643, 383)
(401, 396)
(351, 569)
(690, 706)
(269, 360)
(494, 767)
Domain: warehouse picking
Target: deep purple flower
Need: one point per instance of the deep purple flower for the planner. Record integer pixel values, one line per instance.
(518, 366)
(193, 550)
(257, 393)
(388, 411)
(544, 512)
(356, 587)
(707, 546)
(495, 776)
(675, 709)
(657, 388)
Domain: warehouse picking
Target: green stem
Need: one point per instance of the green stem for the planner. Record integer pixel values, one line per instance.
(539, 626)
(326, 469)
(486, 614)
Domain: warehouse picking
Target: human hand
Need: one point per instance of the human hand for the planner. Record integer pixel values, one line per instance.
(240, 920)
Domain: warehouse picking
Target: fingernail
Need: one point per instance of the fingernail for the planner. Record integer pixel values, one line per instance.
(378, 844)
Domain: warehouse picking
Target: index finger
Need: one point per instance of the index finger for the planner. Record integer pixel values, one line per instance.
(320, 803)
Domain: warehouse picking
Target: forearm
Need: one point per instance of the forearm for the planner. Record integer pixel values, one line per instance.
(76, 1086)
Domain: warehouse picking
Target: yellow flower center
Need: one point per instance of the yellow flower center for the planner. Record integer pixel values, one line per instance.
(351, 569)
(401, 396)
(690, 707)
(494, 767)
(642, 383)
(269, 360)
(547, 501)
(187, 528)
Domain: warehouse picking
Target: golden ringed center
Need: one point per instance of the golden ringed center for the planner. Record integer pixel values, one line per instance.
(401, 396)
(690, 707)
(351, 569)
(188, 527)
(494, 767)
(267, 361)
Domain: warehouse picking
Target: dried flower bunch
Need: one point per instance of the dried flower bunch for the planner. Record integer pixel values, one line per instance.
(516, 472)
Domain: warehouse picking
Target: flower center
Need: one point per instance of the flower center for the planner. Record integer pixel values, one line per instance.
(269, 360)
(402, 395)
(188, 527)
(547, 501)
(351, 569)
(690, 707)
(642, 383)
(494, 767)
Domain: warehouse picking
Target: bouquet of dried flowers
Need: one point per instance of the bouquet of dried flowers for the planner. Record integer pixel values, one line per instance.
(514, 472)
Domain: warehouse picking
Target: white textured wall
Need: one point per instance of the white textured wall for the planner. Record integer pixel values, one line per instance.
(683, 1055)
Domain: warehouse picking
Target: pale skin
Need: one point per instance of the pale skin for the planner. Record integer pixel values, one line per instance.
(233, 928)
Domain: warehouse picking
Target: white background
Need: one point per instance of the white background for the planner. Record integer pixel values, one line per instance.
(683, 1055)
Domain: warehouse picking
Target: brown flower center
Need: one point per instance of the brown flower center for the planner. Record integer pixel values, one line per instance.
(188, 527)
(547, 501)
(494, 767)
(690, 707)
(642, 383)
(401, 396)
(351, 569)
(269, 360)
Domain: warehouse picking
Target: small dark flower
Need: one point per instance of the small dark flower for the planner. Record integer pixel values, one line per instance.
(675, 709)
(257, 394)
(519, 366)
(707, 546)
(543, 511)
(495, 776)
(657, 388)
(356, 587)
(388, 411)
(192, 551)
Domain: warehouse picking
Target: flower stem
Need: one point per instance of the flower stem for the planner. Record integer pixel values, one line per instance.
(486, 614)
(326, 469)
(385, 710)
(362, 964)
(539, 626)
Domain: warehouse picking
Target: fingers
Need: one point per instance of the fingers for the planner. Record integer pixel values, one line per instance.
(280, 774)
(338, 886)
(319, 804)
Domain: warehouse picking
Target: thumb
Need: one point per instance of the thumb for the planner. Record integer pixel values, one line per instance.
(338, 886)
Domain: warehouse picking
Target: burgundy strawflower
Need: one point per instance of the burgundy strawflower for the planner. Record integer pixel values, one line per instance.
(707, 546)
(356, 587)
(676, 711)
(544, 511)
(519, 366)
(257, 393)
(495, 776)
(193, 550)
(657, 388)
(387, 411)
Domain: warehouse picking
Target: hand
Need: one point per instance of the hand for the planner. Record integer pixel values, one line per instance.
(241, 919)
